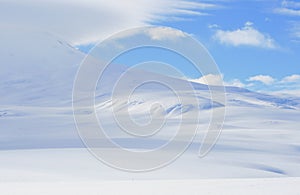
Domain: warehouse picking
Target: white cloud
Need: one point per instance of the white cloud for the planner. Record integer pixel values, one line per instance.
(210, 79)
(286, 82)
(291, 8)
(289, 85)
(235, 83)
(88, 21)
(293, 4)
(247, 35)
(195, 5)
(164, 33)
(265, 79)
(287, 11)
(291, 79)
(248, 23)
(213, 26)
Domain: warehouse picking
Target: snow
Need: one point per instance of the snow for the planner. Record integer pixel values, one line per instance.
(217, 186)
(41, 151)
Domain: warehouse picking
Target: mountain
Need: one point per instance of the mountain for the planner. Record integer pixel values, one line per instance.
(260, 136)
(37, 68)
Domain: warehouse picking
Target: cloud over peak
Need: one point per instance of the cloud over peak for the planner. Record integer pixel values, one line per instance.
(83, 22)
(209, 79)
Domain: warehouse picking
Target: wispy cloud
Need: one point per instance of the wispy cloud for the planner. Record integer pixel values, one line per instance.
(294, 4)
(213, 26)
(295, 29)
(246, 35)
(291, 8)
(287, 11)
(82, 22)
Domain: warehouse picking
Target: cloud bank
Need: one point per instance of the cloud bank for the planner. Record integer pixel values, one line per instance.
(291, 79)
(288, 85)
(83, 22)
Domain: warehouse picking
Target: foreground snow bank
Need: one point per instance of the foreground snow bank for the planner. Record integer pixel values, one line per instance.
(217, 186)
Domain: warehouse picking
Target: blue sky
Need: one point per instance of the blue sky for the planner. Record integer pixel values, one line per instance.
(245, 60)
(256, 44)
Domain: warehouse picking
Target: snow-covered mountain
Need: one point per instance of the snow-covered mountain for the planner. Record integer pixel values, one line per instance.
(260, 137)
(37, 68)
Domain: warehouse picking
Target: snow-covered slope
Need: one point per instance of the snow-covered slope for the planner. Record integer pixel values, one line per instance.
(36, 68)
(261, 186)
(39, 140)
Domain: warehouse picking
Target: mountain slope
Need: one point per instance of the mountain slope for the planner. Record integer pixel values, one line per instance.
(37, 68)
(260, 137)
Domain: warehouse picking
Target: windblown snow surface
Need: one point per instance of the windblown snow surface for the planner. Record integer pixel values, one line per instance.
(39, 141)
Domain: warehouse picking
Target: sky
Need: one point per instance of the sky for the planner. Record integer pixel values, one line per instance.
(255, 43)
